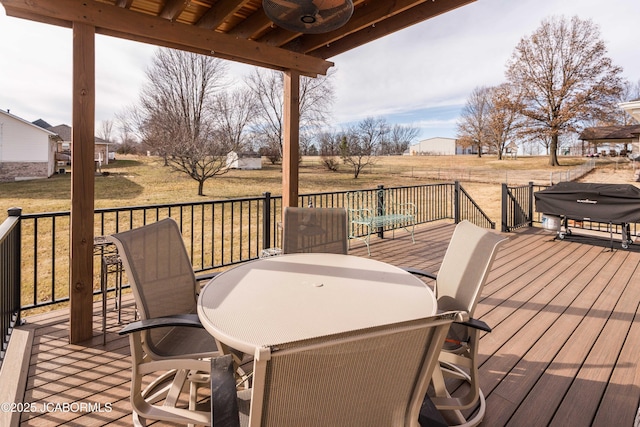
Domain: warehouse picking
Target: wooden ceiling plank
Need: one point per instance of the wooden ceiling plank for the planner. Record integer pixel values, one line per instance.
(219, 13)
(279, 37)
(109, 19)
(419, 13)
(173, 8)
(364, 16)
(256, 23)
(126, 4)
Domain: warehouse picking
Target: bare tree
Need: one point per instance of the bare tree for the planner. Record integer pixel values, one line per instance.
(329, 143)
(267, 88)
(564, 77)
(502, 120)
(398, 139)
(316, 98)
(178, 109)
(360, 143)
(105, 131)
(472, 127)
(125, 125)
(233, 112)
(306, 143)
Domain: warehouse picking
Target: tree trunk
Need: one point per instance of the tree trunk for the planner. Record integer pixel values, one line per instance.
(479, 150)
(553, 151)
(200, 188)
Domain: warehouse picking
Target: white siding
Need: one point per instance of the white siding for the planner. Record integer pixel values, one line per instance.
(236, 161)
(22, 142)
(51, 166)
(632, 108)
(434, 147)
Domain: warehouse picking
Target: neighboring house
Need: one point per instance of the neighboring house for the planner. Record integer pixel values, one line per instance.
(436, 147)
(511, 150)
(610, 136)
(64, 146)
(632, 108)
(244, 160)
(27, 151)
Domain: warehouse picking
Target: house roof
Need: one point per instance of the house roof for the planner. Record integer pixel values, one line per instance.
(51, 134)
(438, 138)
(610, 133)
(237, 30)
(245, 154)
(42, 124)
(64, 131)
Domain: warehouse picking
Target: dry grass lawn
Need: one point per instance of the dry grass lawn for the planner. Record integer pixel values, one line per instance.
(138, 180)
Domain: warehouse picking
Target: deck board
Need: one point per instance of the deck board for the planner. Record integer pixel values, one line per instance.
(623, 389)
(591, 380)
(563, 350)
(551, 331)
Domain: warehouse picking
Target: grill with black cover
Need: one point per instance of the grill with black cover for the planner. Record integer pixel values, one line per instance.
(581, 201)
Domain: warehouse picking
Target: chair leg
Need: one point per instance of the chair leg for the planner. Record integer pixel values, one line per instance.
(451, 407)
(438, 383)
(460, 420)
(442, 396)
(195, 379)
(176, 388)
(119, 291)
(103, 291)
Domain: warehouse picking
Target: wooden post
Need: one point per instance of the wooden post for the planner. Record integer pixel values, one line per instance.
(82, 183)
(291, 148)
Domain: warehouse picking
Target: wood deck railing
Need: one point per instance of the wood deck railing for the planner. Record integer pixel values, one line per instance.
(217, 233)
(10, 262)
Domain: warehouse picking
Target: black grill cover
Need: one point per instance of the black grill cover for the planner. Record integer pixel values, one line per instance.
(617, 203)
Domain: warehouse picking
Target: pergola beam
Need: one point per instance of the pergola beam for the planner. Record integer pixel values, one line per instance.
(82, 183)
(291, 148)
(403, 14)
(124, 23)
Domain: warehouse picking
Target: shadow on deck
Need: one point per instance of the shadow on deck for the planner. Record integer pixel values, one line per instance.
(563, 351)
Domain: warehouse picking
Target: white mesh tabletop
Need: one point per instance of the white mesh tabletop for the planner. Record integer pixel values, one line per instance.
(293, 297)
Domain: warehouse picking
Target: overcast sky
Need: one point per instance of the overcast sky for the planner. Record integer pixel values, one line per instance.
(420, 76)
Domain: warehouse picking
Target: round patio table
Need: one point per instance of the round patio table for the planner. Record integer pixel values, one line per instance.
(293, 297)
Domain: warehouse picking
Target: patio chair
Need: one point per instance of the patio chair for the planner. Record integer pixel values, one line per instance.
(374, 376)
(163, 398)
(314, 230)
(169, 336)
(458, 285)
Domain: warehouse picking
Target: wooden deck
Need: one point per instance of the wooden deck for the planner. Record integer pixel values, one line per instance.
(563, 351)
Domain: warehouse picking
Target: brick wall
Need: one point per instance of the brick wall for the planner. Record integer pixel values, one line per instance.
(10, 171)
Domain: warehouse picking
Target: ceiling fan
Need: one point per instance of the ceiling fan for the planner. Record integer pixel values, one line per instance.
(308, 16)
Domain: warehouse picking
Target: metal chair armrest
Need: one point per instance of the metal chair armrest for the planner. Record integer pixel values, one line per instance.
(476, 324)
(188, 320)
(206, 276)
(419, 272)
